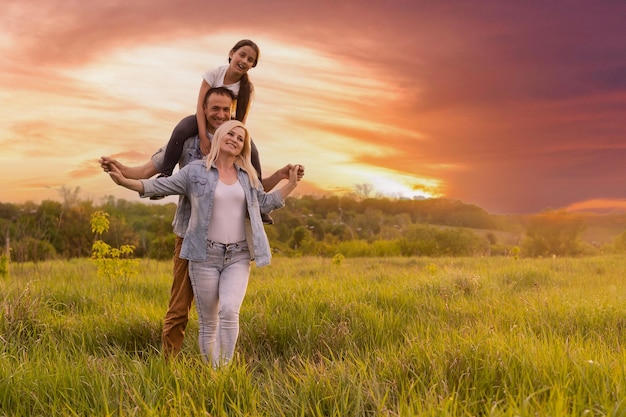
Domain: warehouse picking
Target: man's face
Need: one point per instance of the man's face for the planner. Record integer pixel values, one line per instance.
(217, 111)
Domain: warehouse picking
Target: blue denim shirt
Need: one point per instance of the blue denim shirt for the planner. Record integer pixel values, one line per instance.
(191, 152)
(199, 185)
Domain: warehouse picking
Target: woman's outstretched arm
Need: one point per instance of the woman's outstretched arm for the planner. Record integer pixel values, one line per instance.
(120, 179)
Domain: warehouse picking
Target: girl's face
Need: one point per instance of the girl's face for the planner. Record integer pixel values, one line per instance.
(233, 142)
(242, 59)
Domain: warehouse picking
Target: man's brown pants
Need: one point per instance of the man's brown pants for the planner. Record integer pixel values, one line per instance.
(181, 298)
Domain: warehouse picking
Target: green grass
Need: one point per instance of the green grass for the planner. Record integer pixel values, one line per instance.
(365, 337)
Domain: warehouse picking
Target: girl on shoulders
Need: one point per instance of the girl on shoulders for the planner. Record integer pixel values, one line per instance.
(234, 76)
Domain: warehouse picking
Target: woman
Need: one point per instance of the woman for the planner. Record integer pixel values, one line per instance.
(225, 231)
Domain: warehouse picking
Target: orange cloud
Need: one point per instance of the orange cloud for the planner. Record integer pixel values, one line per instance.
(85, 170)
(600, 204)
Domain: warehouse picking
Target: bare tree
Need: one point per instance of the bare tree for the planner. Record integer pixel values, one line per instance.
(363, 191)
(70, 197)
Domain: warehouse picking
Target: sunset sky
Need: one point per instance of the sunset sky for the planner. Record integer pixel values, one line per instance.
(513, 106)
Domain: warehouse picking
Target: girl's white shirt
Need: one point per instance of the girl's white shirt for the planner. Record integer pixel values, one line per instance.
(215, 78)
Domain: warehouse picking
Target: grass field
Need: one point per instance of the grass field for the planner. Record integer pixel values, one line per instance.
(365, 337)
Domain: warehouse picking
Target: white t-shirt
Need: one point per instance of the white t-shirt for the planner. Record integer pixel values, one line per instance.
(228, 214)
(215, 78)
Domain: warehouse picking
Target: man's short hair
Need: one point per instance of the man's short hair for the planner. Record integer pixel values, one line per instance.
(221, 91)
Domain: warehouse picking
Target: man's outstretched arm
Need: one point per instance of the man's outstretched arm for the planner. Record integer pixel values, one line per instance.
(282, 174)
(144, 171)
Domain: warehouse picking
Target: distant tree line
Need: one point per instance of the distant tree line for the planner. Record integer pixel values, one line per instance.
(352, 225)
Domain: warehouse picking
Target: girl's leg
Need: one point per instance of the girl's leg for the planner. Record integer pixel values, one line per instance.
(205, 278)
(232, 289)
(186, 128)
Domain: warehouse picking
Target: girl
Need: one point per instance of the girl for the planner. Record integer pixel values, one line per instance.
(225, 231)
(243, 56)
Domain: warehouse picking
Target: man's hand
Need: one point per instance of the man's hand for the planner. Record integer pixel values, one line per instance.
(144, 171)
(300, 172)
(285, 171)
(106, 163)
(282, 174)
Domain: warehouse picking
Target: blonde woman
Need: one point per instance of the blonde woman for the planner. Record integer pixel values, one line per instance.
(225, 231)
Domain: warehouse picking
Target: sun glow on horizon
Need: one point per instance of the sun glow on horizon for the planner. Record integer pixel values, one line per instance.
(384, 183)
(393, 184)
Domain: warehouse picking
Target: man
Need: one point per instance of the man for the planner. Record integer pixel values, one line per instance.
(217, 110)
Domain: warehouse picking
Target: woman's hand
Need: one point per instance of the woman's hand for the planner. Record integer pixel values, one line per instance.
(292, 183)
(114, 172)
(120, 179)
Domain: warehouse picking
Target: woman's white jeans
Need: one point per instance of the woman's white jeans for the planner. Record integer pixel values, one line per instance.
(219, 286)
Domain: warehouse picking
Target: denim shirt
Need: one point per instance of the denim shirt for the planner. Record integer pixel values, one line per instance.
(191, 152)
(199, 185)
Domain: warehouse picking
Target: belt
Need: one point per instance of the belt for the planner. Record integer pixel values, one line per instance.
(227, 246)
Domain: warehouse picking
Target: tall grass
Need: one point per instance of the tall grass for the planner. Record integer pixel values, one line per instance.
(357, 337)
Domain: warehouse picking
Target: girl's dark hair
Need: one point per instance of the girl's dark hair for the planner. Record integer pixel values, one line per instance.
(243, 99)
(246, 89)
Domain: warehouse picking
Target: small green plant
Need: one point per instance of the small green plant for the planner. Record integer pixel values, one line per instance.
(112, 263)
(4, 265)
(431, 268)
(338, 259)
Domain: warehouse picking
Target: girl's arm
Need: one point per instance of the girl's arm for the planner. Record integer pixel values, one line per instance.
(205, 143)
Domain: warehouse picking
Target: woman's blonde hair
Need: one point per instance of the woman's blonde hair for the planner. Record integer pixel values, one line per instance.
(243, 159)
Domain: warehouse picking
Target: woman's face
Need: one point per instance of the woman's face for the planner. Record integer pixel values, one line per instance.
(242, 59)
(233, 142)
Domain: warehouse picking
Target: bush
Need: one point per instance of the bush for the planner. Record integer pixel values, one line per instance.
(162, 247)
(554, 233)
(423, 240)
(501, 249)
(32, 250)
(620, 242)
